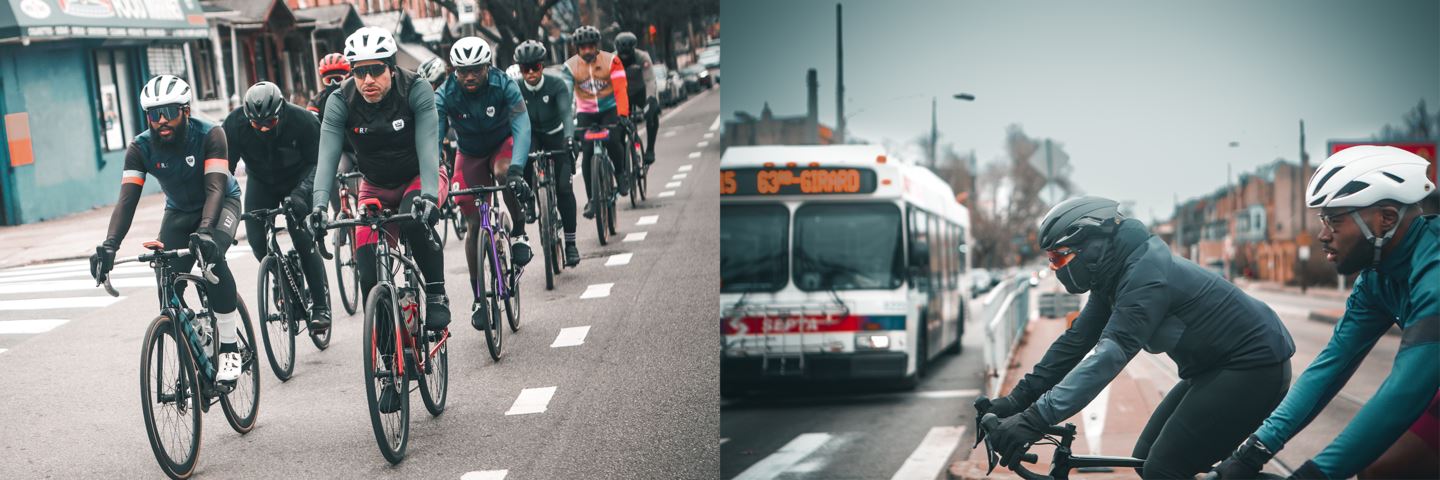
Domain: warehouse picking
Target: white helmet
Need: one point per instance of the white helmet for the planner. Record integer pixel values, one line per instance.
(514, 72)
(1362, 175)
(432, 70)
(470, 51)
(370, 43)
(164, 90)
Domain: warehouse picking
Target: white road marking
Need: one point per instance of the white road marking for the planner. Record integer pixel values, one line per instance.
(715, 126)
(928, 460)
(667, 193)
(694, 154)
(709, 135)
(636, 237)
(64, 285)
(571, 336)
(962, 393)
(485, 475)
(127, 270)
(17, 327)
(619, 259)
(684, 168)
(702, 144)
(672, 185)
(676, 110)
(59, 303)
(648, 220)
(722, 441)
(679, 176)
(788, 455)
(3, 350)
(532, 400)
(46, 268)
(597, 291)
(669, 133)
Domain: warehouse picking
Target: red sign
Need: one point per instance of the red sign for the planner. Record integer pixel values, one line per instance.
(1425, 150)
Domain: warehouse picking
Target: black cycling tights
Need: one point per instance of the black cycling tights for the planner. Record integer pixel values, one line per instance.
(260, 196)
(614, 146)
(652, 126)
(175, 230)
(563, 176)
(1204, 418)
(430, 260)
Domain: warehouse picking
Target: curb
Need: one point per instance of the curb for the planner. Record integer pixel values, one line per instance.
(1333, 317)
(47, 261)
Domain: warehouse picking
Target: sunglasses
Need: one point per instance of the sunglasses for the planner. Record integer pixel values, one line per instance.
(163, 112)
(373, 71)
(535, 67)
(1061, 257)
(472, 71)
(332, 79)
(265, 122)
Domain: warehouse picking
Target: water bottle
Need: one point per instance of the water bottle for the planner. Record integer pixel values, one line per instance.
(407, 298)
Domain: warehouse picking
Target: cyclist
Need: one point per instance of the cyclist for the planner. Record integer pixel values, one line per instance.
(434, 71)
(493, 131)
(393, 129)
(1367, 196)
(601, 98)
(552, 118)
(278, 141)
(333, 69)
(637, 67)
(1231, 349)
(188, 156)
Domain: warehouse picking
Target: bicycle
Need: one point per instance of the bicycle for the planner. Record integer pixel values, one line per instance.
(194, 362)
(1061, 436)
(285, 304)
(602, 199)
(394, 322)
(503, 289)
(639, 171)
(551, 230)
(344, 243)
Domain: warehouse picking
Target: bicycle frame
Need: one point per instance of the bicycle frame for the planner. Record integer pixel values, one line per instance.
(172, 305)
(1062, 462)
(489, 217)
(286, 269)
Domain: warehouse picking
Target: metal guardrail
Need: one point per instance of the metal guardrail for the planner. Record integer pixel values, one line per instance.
(1005, 321)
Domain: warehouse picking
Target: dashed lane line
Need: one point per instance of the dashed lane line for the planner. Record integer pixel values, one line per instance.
(636, 237)
(685, 168)
(702, 144)
(532, 400)
(485, 475)
(672, 185)
(29, 327)
(694, 154)
(667, 193)
(597, 291)
(618, 259)
(571, 336)
(648, 220)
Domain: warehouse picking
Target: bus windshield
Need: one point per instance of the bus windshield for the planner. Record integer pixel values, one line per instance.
(753, 247)
(848, 246)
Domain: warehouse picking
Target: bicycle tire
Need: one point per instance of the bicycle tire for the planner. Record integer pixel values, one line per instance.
(495, 335)
(558, 231)
(597, 198)
(631, 172)
(344, 243)
(511, 281)
(275, 317)
(547, 234)
(322, 339)
(642, 172)
(434, 384)
(381, 318)
(186, 396)
(610, 196)
(250, 368)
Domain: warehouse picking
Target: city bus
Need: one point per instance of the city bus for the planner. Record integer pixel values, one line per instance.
(836, 264)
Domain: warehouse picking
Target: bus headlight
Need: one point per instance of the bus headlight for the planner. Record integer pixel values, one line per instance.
(872, 342)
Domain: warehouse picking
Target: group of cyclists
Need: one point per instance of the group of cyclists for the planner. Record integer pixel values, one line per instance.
(412, 136)
(1233, 352)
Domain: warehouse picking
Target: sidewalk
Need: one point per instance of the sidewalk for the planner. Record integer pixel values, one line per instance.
(1325, 292)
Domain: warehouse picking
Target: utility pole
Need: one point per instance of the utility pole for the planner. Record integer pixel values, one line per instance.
(934, 134)
(1304, 235)
(839, 77)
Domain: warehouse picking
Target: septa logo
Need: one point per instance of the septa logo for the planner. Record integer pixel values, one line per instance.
(190, 160)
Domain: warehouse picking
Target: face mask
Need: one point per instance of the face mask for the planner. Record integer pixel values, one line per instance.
(1078, 276)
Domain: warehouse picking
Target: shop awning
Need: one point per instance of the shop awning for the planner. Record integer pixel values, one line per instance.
(332, 17)
(36, 20)
(412, 55)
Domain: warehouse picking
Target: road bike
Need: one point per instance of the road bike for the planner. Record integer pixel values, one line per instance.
(602, 179)
(347, 275)
(285, 303)
(638, 170)
(501, 293)
(552, 232)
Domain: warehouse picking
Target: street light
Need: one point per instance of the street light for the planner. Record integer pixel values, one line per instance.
(934, 127)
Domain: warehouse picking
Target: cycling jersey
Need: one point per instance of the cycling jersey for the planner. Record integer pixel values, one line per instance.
(394, 139)
(639, 75)
(600, 86)
(317, 106)
(550, 106)
(484, 120)
(183, 173)
(1403, 290)
(1147, 297)
(281, 157)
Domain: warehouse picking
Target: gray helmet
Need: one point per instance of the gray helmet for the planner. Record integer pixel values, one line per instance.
(625, 42)
(529, 52)
(1074, 220)
(586, 35)
(263, 100)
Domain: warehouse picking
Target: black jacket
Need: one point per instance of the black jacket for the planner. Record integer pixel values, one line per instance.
(281, 158)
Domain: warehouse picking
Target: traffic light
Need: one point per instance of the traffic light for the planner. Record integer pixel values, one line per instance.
(652, 34)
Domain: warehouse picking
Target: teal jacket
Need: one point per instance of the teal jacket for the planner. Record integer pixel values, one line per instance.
(1403, 290)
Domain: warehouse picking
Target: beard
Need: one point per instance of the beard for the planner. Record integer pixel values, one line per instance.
(1358, 259)
(590, 58)
(175, 135)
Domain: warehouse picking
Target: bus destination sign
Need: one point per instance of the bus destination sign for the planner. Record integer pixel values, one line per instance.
(796, 181)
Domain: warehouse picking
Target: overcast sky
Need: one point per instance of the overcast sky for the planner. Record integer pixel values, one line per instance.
(1145, 96)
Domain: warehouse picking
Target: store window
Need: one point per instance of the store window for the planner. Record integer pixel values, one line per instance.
(115, 96)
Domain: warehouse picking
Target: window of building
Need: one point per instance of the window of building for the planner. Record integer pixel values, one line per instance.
(115, 97)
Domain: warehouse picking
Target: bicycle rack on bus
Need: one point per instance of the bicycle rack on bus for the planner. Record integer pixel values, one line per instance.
(783, 351)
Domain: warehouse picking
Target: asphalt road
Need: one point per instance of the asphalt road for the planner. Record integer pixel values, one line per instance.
(637, 399)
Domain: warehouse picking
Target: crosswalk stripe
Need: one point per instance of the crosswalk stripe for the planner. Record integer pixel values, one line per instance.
(532, 400)
(64, 285)
(928, 460)
(59, 303)
(618, 259)
(648, 220)
(788, 455)
(597, 291)
(636, 237)
(28, 327)
(128, 270)
(667, 193)
(571, 336)
(715, 126)
(3, 350)
(485, 475)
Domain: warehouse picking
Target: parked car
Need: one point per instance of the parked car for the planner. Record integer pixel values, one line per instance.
(710, 58)
(673, 88)
(982, 281)
(696, 78)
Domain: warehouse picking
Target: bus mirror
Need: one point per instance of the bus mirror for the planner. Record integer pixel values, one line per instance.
(919, 254)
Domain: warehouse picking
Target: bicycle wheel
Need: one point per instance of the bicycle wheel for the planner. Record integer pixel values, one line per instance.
(277, 317)
(641, 171)
(322, 339)
(632, 173)
(610, 197)
(597, 197)
(347, 274)
(435, 376)
(495, 335)
(547, 235)
(170, 399)
(242, 405)
(382, 371)
(557, 231)
(511, 302)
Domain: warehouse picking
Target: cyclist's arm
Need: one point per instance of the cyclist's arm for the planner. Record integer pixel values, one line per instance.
(1065, 352)
(1413, 380)
(648, 74)
(132, 183)
(309, 150)
(519, 124)
(232, 127)
(1354, 335)
(217, 176)
(442, 112)
(332, 137)
(619, 85)
(427, 129)
(1141, 304)
(565, 100)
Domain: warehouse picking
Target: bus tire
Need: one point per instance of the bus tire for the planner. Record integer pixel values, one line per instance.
(954, 348)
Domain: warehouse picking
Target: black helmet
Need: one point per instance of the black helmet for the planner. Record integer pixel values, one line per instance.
(586, 35)
(1074, 220)
(625, 42)
(263, 101)
(530, 51)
